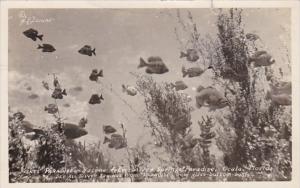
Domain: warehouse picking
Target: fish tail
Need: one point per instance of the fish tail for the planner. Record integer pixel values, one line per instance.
(106, 140)
(268, 96)
(198, 105)
(46, 108)
(101, 97)
(184, 72)
(64, 92)
(123, 88)
(39, 46)
(100, 73)
(182, 54)
(142, 63)
(94, 51)
(40, 37)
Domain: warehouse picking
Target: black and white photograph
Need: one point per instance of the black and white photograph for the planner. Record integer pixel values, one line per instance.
(149, 95)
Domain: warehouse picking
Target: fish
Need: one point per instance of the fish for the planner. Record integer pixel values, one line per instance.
(58, 93)
(67, 105)
(19, 116)
(130, 90)
(87, 50)
(31, 132)
(46, 48)
(282, 88)
(155, 65)
(261, 58)
(191, 55)
(82, 122)
(45, 85)
(95, 75)
(193, 71)
(96, 99)
(279, 99)
(33, 96)
(76, 89)
(33, 34)
(51, 108)
(229, 73)
(29, 88)
(116, 141)
(252, 36)
(108, 129)
(180, 124)
(212, 97)
(179, 85)
(72, 131)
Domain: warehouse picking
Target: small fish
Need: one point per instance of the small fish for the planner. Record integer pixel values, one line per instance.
(87, 50)
(252, 36)
(56, 83)
(279, 99)
(33, 96)
(67, 105)
(29, 88)
(108, 129)
(179, 85)
(19, 116)
(191, 55)
(261, 58)
(193, 71)
(27, 126)
(45, 85)
(96, 99)
(82, 122)
(130, 90)
(116, 141)
(95, 75)
(155, 65)
(76, 89)
(31, 132)
(46, 48)
(51, 108)
(73, 131)
(32, 34)
(180, 124)
(212, 97)
(58, 93)
(230, 74)
(282, 88)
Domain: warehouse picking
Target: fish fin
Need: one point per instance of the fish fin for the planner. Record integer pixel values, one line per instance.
(40, 37)
(182, 54)
(64, 92)
(100, 73)
(210, 67)
(123, 88)
(184, 72)
(142, 63)
(106, 140)
(39, 46)
(101, 97)
(94, 51)
(33, 38)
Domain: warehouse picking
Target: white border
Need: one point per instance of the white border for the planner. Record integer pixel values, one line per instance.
(294, 5)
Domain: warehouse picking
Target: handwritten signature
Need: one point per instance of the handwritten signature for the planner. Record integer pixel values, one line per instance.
(28, 20)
